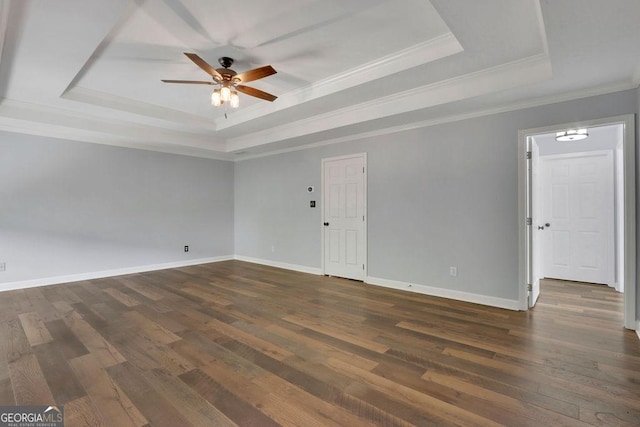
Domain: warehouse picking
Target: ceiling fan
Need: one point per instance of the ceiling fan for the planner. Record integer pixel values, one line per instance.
(229, 81)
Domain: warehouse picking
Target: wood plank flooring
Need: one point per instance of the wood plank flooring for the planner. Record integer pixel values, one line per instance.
(234, 343)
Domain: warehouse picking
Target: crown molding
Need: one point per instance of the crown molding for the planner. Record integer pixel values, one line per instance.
(119, 103)
(419, 54)
(48, 131)
(506, 76)
(23, 123)
(36, 119)
(515, 106)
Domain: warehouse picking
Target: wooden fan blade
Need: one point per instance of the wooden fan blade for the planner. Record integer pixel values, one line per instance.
(191, 82)
(255, 74)
(203, 64)
(256, 92)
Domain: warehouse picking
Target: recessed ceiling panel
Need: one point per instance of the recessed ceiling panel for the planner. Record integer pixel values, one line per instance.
(305, 41)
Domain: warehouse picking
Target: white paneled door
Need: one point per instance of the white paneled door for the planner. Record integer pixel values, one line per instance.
(577, 226)
(344, 225)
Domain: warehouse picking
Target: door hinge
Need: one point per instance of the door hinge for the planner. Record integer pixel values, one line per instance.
(529, 221)
(363, 169)
(528, 155)
(363, 266)
(529, 287)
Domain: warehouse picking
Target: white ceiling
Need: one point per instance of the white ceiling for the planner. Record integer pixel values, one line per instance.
(90, 70)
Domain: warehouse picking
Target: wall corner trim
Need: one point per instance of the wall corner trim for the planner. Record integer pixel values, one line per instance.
(277, 264)
(56, 280)
(446, 293)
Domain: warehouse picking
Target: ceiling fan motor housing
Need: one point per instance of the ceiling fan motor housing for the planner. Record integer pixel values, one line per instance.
(225, 61)
(226, 73)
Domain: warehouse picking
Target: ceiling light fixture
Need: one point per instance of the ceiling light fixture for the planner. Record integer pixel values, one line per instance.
(572, 135)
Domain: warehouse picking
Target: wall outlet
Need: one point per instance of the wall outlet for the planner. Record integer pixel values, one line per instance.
(186, 248)
(453, 271)
(3, 266)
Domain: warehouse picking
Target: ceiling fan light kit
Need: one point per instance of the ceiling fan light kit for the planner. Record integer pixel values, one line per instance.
(229, 81)
(572, 135)
(224, 94)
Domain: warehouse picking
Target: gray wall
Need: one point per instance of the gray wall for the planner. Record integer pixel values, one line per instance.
(69, 208)
(638, 204)
(438, 196)
(272, 208)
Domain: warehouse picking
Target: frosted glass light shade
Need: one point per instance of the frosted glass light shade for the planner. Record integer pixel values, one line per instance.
(225, 94)
(235, 99)
(215, 98)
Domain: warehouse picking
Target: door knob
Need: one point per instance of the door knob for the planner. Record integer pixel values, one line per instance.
(326, 224)
(540, 227)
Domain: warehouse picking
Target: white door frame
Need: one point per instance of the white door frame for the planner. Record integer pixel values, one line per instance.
(366, 215)
(629, 183)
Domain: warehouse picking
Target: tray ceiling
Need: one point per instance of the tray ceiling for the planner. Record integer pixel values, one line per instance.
(90, 70)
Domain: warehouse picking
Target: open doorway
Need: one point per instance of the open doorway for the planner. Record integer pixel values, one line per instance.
(577, 206)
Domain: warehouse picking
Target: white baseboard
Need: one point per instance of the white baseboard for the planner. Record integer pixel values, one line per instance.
(277, 264)
(446, 293)
(10, 286)
(638, 329)
(394, 284)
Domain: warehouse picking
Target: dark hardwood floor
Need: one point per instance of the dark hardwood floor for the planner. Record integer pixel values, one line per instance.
(237, 343)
